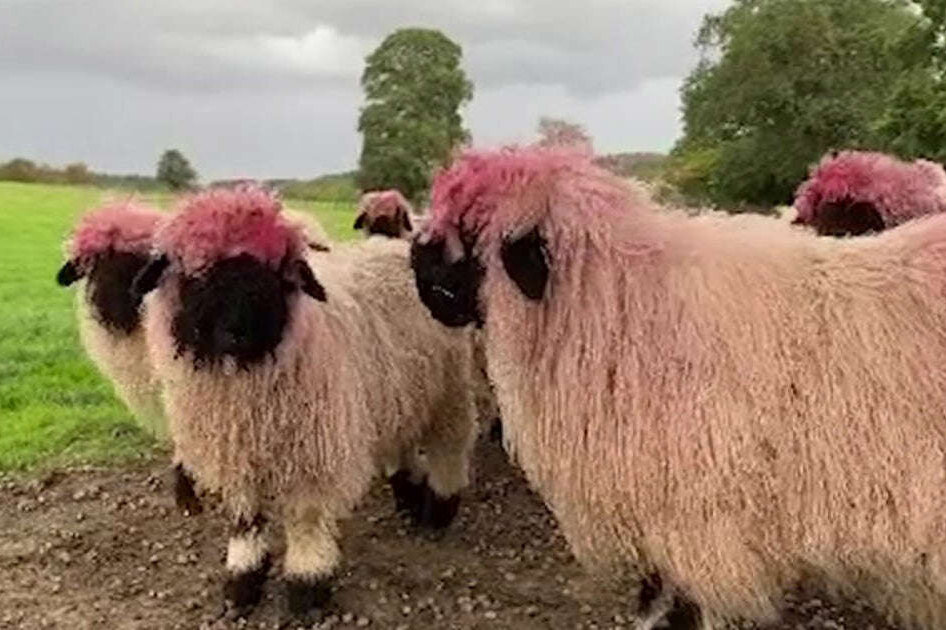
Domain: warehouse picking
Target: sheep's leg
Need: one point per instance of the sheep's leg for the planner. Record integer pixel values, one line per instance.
(447, 461)
(312, 555)
(248, 563)
(406, 479)
(656, 604)
(184, 495)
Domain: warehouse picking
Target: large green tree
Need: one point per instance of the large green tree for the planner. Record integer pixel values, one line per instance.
(175, 171)
(782, 81)
(414, 89)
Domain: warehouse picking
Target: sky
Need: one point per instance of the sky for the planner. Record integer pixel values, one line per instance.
(270, 88)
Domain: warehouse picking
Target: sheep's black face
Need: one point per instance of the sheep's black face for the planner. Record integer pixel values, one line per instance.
(238, 309)
(848, 218)
(448, 290)
(114, 305)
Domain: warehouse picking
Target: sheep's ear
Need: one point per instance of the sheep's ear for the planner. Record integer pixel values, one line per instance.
(406, 220)
(148, 278)
(526, 262)
(359, 221)
(305, 280)
(68, 274)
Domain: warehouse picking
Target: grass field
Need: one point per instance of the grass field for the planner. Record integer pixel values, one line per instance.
(55, 409)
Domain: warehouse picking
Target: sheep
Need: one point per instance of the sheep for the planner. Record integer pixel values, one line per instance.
(108, 247)
(288, 388)
(728, 410)
(388, 214)
(857, 192)
(385, 212)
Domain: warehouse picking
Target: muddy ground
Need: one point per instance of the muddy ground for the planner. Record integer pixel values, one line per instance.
(107, 549)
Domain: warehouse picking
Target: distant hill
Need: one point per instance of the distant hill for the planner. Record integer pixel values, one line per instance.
(642, 165)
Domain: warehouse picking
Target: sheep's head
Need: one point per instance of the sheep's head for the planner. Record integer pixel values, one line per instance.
(850, 193)
(386, 213)
(237, 266)
(109, 247)
(490, 218)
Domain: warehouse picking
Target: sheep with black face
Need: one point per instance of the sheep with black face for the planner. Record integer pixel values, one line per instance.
(850, 193)
(386, 213)
(726, 406)
(108, 247)
(292, 378)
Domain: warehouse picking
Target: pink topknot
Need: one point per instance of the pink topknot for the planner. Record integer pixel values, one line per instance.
(899, 190)
(464, 195)
(123, 226)
(222, 223)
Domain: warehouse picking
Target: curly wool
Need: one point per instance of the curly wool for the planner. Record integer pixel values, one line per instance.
(733, 407)
(899, 190)
(226, 222)
(122, 226)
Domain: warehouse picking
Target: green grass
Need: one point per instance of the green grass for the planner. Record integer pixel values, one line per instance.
(55, 408)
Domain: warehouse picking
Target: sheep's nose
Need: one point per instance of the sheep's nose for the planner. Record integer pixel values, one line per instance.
(230, 339)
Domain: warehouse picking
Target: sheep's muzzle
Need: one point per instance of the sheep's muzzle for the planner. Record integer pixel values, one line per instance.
(238, 308)
(448, 290)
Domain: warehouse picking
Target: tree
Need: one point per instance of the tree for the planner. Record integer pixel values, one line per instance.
(175, 171)
(411, 124)
(558, 132)
(781, 82)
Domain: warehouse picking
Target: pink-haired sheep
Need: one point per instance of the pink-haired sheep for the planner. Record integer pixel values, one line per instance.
(730, 410)
(108, 247)
(291, 378)
(857, 192)
(385, 212)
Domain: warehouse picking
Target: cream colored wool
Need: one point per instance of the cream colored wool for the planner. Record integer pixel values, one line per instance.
(315, 235)
(735, 408)
(123, 360)
(356, 381)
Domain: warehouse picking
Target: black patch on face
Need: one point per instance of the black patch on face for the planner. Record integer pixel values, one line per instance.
(114, 304)
(68, 274)
(848, 218)
(385, 226)
(448, 290)
(684, 615)
(526, 263)
(434, 511)
(238, 309)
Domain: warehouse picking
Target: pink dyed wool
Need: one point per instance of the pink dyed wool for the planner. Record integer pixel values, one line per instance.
(223, 223)
(121, 227)
(899, 190)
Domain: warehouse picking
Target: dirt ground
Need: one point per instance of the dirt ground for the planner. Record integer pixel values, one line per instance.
(107, 549)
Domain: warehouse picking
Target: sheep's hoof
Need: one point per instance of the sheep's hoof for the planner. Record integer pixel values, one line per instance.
(436, 512)
(407, 494)
(184, 495)
(496, 430)
(243, 591)
(307, 598)
(684, 615)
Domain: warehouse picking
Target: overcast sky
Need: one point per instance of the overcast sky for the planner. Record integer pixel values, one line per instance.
(269, 88)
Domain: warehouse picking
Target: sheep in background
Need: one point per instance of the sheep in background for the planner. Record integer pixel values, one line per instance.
(385, 212)
(108, 247)
(857, 192)
(728, 409)
(288, 389)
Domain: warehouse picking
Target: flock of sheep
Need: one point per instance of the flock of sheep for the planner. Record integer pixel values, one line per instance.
(719, 407)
